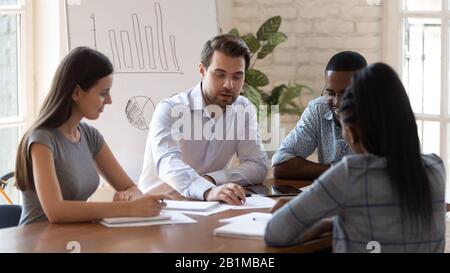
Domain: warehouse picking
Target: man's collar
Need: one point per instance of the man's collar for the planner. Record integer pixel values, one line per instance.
(199, 104)
(328, 114)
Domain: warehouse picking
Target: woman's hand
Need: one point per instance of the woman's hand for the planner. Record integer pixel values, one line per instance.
(148, 205)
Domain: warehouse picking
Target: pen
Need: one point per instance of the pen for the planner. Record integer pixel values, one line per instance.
(246, 195)
(161, 202)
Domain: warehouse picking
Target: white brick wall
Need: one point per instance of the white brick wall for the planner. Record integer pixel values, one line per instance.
(316, 29)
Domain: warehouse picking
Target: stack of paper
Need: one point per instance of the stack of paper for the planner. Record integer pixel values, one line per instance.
(163, 218)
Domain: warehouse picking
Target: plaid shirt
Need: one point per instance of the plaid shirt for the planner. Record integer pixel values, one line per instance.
(316, 129)
(358, 193)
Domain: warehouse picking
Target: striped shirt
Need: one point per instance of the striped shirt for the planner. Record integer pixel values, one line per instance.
(358, 193)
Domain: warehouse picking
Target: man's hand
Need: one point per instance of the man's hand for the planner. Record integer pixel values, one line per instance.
(280, 202)
(230, 193)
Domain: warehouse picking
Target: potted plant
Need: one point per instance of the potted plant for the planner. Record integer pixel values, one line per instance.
(261, 45)
(281, 99)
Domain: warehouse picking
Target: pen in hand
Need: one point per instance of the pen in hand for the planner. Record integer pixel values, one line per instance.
(246, 195)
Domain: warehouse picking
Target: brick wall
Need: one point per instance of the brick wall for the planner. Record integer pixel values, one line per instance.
(316, 29)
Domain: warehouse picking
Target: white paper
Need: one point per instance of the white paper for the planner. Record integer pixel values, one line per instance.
(123, 220)
(254, 216)
(255, 202)
(190, 205)
(175, 218)
(215, 210)
(247, 230)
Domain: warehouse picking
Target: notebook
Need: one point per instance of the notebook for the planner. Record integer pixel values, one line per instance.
(129, 220)
(190, 205)
(239, 229)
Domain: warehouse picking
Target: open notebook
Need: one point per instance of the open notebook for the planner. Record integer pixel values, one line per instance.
(243, 229)
(132, 220)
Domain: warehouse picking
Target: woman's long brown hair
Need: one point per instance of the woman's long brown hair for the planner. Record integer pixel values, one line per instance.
(81, 67)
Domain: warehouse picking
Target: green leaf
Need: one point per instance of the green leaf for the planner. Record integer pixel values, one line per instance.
(288, 95)
(253, 95)
(270, 27)
(277, 38)
(234, 32)
(252, 43)
(256, 78)
(276, 93)
(265, 50)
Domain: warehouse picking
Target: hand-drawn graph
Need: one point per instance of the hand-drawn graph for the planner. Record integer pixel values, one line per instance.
(139, 112)
(143, 49)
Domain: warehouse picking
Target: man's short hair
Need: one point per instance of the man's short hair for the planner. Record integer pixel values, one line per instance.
(346, 61)
(230, 45)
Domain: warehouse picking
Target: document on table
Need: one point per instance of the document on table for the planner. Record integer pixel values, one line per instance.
(243, 229)
(254, 216)
(254, 202)
(129, 220)
(190, 205)
(212, 211)
(175, 218)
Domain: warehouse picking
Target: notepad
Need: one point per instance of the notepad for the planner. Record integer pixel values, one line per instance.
(254, 202)
(190, 205)
(129, 220)
(246, 230)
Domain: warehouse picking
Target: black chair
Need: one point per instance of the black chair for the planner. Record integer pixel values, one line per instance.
(10, 215)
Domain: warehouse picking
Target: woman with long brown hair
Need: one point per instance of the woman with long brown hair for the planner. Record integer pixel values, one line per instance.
(59, 157)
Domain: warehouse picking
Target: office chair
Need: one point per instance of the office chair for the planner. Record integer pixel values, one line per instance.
(10, 215)
(3, 183)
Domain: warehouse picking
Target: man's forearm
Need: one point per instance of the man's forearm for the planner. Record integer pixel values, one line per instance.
(299, 168)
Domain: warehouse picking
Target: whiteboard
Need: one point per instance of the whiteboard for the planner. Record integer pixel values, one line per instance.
(155, 48)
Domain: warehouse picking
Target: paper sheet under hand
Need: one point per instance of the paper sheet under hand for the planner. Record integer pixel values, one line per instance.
(212, 211)
(176, 218)
(254, 202)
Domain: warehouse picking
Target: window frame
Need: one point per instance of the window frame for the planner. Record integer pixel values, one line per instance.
(25, 63)
(393, 18)
(26, 109)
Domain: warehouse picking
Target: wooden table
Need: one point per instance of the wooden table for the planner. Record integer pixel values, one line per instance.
(194, 238)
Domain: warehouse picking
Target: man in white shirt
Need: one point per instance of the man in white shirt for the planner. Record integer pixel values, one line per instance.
(194, 135)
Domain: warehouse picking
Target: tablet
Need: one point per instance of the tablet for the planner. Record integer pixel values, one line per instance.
(273, 191)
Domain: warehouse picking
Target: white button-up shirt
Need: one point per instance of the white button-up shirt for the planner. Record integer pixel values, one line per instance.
(181, 159)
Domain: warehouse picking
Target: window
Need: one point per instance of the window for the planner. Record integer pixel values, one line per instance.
(14, 101)
(417, 45)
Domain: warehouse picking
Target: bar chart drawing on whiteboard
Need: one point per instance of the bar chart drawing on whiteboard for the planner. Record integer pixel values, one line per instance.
(141, 49)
